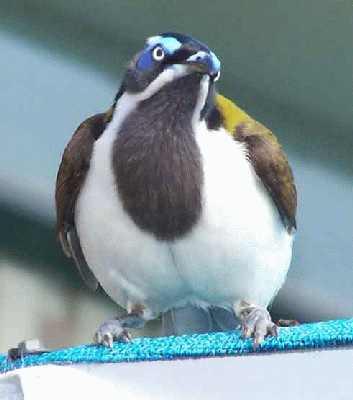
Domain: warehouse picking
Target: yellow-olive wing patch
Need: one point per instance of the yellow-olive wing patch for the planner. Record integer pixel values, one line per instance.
(266, 156)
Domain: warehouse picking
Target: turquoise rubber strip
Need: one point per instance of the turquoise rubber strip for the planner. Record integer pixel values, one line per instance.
(318, 335)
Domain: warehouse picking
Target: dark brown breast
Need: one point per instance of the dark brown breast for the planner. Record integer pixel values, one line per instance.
(157, 162)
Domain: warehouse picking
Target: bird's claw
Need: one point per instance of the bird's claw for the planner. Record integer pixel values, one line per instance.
(257, 323)
(111, 331)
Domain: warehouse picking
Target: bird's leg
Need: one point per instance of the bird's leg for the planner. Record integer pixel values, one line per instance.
(256, 321)
(117, 329)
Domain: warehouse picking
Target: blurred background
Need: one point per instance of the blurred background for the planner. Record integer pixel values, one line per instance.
(289, 64)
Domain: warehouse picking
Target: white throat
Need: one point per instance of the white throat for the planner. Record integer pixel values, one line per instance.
(128, 101)
(201, 101)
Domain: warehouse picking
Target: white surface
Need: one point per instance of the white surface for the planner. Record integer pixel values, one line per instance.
(64, 316)
(324, 375)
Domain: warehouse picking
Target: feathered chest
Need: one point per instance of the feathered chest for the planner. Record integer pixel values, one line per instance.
(157, 166)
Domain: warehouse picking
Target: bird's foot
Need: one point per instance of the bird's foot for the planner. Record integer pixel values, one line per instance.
(110, 331)
(117, 329)
(256, 322)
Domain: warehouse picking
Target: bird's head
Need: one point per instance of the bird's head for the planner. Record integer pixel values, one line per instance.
(166, 58)
(172, 55)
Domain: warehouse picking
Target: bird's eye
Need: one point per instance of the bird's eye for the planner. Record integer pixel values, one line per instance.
(158, 53)
(215, 79)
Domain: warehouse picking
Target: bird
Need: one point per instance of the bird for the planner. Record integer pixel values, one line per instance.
(176, 196)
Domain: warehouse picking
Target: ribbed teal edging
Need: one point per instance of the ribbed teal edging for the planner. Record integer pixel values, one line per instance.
(302, 337)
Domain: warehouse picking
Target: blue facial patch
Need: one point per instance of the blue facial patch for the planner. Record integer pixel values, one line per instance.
(169, 44)
(145, 61)
(216, 62)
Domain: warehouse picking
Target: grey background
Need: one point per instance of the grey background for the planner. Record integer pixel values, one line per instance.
(287, 63)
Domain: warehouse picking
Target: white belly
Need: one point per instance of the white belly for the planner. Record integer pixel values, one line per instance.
(239, 249)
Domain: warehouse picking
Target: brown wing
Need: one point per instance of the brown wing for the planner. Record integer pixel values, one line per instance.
(71, 175)
(271, 166)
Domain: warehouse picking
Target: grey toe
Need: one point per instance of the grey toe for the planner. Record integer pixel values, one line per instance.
(111, 331)
(257, 323)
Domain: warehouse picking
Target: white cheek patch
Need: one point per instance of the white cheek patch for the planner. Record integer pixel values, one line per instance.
(201, 101)
(168, 75)
(129, 101)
